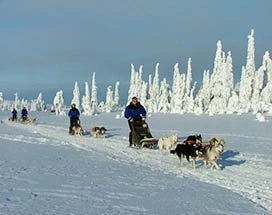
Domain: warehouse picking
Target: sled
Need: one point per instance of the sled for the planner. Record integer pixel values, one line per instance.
(140, 136)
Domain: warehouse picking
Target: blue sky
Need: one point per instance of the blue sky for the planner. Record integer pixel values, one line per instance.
(48, 45)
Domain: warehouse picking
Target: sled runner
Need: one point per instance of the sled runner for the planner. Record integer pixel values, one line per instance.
(140, 135)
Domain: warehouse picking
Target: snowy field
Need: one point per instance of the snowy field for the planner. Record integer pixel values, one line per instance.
(43, 170)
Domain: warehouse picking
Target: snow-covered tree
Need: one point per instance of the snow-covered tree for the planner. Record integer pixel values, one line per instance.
(109, 100)
(257, 88)
(86, 101)
(116, 94)
(266, 93)
(188, 98)
(221, 81)
(163, 102)
(203, 96)
(16, 101)
(76, 95)
(94, 100)
(178, 91)
(233, 103)
(58, 103)
(37, 104)
(247, 77)
(155, 91)
(189, 77)
(134, 81)
(1, 101)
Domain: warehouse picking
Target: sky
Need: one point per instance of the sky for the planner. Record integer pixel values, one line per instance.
(44, 170)
(48, 45)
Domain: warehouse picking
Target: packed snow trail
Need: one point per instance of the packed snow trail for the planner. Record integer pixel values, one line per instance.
(236, 166)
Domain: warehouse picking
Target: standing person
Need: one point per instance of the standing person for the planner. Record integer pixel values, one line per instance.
(74, 117)
(14, 115)
(24, 113)
(134, 112)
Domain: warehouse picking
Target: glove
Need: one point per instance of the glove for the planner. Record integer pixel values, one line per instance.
(130, 119)
(143, 118)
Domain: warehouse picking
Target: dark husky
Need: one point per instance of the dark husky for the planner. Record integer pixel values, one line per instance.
(194, 139)
(187, 150)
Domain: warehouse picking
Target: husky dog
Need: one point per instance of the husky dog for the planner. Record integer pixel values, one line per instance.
(77, 130)
(187, 150)
(212, 152)
(28, 121)
(194, 139)
(98, 131)
(167, 142)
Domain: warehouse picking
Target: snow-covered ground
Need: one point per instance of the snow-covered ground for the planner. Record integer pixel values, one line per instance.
(43, 170)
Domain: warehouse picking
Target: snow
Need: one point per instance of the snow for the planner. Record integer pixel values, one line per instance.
(43, 170)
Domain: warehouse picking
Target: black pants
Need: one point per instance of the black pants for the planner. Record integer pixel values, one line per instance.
(14, 117)
(130, 127)
(73, 121)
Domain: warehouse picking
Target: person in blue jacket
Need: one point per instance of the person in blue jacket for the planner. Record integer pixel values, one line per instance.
(74, 117)
(24, 113)
(134, 112)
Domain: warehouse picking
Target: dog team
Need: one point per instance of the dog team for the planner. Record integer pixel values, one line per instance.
(191, 148)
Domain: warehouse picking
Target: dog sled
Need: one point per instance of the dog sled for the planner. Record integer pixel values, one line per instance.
(26, 121)
(140, 135)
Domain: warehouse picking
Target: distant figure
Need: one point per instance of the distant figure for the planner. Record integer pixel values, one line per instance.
(24, 114)
(74, 117)
(14, 115)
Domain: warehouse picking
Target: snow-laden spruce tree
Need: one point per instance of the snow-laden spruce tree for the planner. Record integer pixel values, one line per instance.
(189, 77)
(58, 103)
(174, 93)
(178, 91)
(76, 96)
(155, 92)
(1, 97)
(143, 93)
(190, 102)
(142, 88)
(16, 101)
(134, 84)
(266, 93)
(116, 95)
(163, 102)
(148, 103)
(37, 104)
(137, 87)
(1, 101)
(188, 99)
(24, 103)
(256, 99)
(86, 101)
(247, 77)
(221, 81)
(109, 100)
(233, 103)
(203, 96)
(94, 100)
